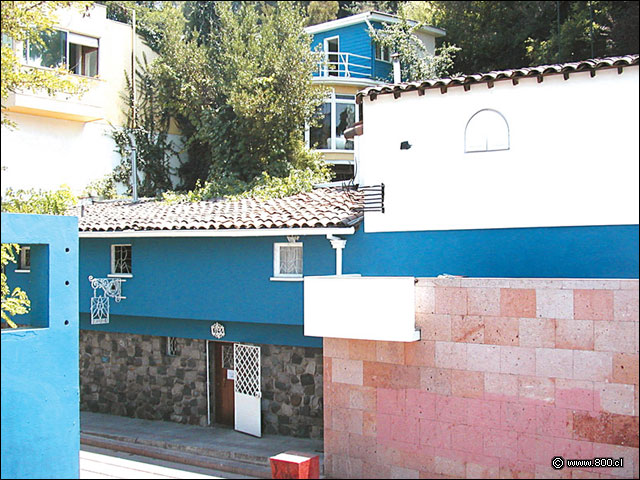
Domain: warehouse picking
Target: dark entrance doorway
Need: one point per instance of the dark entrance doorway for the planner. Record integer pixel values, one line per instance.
(223, 374)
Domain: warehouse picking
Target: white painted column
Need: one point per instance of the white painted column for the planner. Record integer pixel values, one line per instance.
(338, 244)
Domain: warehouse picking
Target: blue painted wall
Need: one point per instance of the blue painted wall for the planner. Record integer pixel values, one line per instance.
(205, 280)
(355, 39)
(40, 393)
(571, 252)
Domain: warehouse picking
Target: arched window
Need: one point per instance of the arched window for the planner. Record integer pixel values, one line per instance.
(487, 130)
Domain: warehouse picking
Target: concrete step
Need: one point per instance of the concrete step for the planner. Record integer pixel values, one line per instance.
(216, 459)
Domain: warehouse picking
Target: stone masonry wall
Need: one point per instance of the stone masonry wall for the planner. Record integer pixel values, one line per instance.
(292, 391)
(131, 375)
(508, 374)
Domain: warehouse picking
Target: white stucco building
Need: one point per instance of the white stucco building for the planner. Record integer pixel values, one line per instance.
(546, 146)
(65, 139)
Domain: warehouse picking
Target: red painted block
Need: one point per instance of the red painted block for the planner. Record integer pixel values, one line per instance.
(295, 465)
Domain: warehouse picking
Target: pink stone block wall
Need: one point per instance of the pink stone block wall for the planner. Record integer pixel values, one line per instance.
(508, 374)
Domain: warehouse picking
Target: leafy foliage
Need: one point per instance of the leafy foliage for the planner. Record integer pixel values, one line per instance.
(38, 201)
(263, 187)
(146, 129)
(415, 62)
(504, 34)
(14, 302)
(236, 78)
(22, 21)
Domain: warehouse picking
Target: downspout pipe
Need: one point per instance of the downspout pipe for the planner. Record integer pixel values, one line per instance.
(338, 244)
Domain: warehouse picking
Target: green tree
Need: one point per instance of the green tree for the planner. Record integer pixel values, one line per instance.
(504, 34)
(236, 78)
(14, 302)
(320, 12)
(415, 62)
(32, 21)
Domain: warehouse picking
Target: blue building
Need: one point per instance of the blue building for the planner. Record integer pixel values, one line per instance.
(166, 290)
(40, 415)
(350, 61)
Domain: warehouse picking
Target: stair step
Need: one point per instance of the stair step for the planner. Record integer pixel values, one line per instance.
(241, 464)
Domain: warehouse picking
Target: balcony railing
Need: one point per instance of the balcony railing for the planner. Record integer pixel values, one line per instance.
(345, 65)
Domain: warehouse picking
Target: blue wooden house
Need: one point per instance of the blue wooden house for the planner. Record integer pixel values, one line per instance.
(350, 60)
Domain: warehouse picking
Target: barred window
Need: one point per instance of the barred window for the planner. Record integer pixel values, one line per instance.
(172, 346)
(121, 260)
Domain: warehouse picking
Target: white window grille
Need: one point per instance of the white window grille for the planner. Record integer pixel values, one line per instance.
(486, 131)
(172, 346)
(287, 260)
(121, 260)
(25, 259)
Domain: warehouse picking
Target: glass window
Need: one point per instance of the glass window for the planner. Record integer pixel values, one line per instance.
(51, 53)
(121, 260)
(287, 260)
(78, 53)
(320, 133)
(487, 130)
(25, 259)
(334, 116)
(345, 116)
(383, 53)
(83, 60)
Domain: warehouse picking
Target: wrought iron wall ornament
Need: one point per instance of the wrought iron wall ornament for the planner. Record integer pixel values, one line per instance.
(217, 330)
(111, 288)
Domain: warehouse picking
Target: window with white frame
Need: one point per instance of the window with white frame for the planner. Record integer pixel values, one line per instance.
(487, 130)
(61, 49)
(332, 119)
(383, 53)
(172, 347)
(287, 260)
(25, 260)
(121, 260)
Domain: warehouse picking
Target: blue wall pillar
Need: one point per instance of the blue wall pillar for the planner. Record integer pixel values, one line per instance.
(40, 392)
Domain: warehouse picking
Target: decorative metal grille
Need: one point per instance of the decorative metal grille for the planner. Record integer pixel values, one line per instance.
(217, 330)
(111, 288)
(99, 310)
(227, 357)
(122, 259)
(247, 362)
(172, 346)
(291, 259)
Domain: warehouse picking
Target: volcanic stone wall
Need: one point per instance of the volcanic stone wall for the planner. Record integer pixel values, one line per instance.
(132, 375)
(509, 374)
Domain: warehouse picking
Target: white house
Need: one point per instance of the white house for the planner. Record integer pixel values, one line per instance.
(65, 139)
(546, 146)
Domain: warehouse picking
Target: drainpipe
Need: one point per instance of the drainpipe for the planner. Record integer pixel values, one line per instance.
(397, 76)
(338, 244)
(134, 153)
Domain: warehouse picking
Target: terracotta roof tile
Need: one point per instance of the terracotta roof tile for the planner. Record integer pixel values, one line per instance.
(591, 65)
(323, 207)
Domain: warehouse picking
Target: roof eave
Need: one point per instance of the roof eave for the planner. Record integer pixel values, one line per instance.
(231, 232)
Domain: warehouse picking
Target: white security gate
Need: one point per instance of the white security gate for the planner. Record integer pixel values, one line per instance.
(247, 389)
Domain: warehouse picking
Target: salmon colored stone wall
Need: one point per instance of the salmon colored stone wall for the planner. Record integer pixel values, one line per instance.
(509, 373)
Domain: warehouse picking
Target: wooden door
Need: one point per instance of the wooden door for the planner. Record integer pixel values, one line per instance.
(223, 374)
